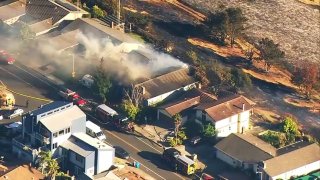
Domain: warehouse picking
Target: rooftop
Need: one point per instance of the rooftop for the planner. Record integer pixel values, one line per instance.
(91, 141)
(41, 25)
(23, 172)
(48, 107)
(227, 107)
(292, 160)
(246, 147)
(167, 83)
(79, 147)
(11, 10)
(187, 100)
(62, 119)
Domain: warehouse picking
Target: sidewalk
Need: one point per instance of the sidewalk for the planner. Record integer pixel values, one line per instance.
(154, 133)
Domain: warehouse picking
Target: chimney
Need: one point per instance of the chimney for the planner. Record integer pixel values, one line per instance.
(243, 106)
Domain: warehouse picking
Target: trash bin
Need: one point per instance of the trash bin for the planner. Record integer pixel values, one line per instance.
(138, 165)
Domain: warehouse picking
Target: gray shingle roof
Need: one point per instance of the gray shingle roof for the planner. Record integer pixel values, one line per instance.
(246, 148)
(12, 10)
(167, 83)
(49, 107)
(79, 147)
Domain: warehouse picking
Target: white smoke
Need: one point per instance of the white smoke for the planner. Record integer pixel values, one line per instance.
(119, 58)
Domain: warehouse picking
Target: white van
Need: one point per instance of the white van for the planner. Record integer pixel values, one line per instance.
(94, 131)
(87, 80)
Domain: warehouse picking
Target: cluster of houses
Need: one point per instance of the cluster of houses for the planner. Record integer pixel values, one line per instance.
(178, 91)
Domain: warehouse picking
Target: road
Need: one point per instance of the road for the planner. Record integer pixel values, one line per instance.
(24, 80)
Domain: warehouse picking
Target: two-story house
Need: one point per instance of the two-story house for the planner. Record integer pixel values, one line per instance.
(229, 115)
(60, 127)
(86, 154)
(49, 126)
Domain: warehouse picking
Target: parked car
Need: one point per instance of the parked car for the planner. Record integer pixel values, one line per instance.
(1, 117)
(195, 140)
(16, 112)
(121, 153)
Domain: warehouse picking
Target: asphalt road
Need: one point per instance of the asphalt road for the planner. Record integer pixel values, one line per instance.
(28, 82)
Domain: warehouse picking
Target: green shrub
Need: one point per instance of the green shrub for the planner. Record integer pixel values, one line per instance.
(276, 139)
(175, 142)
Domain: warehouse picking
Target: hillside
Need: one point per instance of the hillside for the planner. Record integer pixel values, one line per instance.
(294, 25)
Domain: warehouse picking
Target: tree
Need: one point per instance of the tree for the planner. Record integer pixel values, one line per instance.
(236, 22)
(240, 79)
(193, 128)
(102, 83)
(209, 131)
(270, 53)
(44, 158)
(52, 168)
(218, 25)
(290, 126)
(97, 12)
(137, 19)
(26, 33)
(177, 122)
(306, 76)
(130, 109)
(134, 95)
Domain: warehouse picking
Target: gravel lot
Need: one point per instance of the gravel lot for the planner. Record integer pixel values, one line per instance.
(295, 26)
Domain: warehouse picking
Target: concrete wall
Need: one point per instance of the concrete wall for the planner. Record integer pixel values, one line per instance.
(105, 159)
(59, 140)
(299, 171)
(72, 159)
(227, 159)
(157, 99)
(89, 165)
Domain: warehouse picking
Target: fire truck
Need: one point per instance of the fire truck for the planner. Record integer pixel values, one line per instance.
(6, 58)
(179, 163)
(72, 96)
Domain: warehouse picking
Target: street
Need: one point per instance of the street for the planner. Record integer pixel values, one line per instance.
(38, 90)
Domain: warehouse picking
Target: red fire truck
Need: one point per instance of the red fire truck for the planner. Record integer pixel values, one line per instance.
(6, 58)
(72, 96)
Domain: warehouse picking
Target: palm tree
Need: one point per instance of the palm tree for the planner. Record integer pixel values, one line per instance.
(52, 168)
(177, 122)
(44, 158)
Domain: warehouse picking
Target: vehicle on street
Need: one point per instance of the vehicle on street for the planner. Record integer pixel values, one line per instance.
(121, 153)
(15, 113)
(6, 58)
(94, 131)
(72, 96)
(87, 80)
(107, 114)
(179, 162)
(1, 117)
(195, 140)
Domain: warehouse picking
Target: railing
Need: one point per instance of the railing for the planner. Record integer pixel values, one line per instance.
(42, 138)
(22, 146)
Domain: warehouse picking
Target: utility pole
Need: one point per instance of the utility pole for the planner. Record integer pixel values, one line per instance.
(119, 11)
(73, 74)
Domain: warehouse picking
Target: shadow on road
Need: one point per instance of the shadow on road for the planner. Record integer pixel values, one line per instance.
(155, 159)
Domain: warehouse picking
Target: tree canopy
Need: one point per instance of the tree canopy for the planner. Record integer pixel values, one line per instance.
(224, 23)
(270, 53)
(290, 126)
(97, 12)
(209, 130)
(102, 83)
(130, 109)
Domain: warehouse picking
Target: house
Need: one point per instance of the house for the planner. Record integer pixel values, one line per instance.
(60, 127)
(292, 164)
(81, 152)
(244, 151)
(229, 115)
(11, 11)
(184, 105)
(45, 15)
(23, 172)
(162, 87)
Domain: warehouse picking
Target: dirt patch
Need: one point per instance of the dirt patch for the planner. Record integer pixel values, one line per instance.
(313, 105)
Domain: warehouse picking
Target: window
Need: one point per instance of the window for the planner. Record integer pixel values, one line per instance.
(79, 158)
(55, 135)
(54, 146)
(61, 132)
(67, 130)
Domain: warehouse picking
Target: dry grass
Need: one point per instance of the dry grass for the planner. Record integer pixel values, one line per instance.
(293, 25)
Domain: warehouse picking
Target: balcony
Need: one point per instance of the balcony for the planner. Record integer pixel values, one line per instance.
(42, 138)
(18, 142)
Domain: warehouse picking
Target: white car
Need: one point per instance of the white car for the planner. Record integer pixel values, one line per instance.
(16, 112)
(1, 117)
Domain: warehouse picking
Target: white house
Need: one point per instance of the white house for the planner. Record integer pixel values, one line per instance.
(244, 151)
(292, 164)
(160, 88)
(229, 115)
(60, 127)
